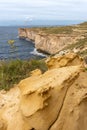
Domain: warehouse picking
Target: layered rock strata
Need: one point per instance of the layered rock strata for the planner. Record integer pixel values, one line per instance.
(49, 43)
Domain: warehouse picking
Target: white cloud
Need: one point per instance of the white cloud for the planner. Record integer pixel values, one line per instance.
(43, 9)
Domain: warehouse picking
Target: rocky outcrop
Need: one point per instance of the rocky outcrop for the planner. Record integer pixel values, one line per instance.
(55, 100)
(73, 115)
(69, 59)
(49, 43)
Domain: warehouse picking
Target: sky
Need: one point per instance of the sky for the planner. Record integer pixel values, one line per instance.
(29, 10)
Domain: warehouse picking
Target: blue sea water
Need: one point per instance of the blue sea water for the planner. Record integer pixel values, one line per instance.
(21, 49)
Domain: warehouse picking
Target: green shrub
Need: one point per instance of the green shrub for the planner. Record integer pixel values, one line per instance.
(13, 71)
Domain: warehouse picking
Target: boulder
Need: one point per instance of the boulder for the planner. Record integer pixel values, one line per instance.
(42, 96)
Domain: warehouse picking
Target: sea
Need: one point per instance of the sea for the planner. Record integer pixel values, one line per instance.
(21, 49)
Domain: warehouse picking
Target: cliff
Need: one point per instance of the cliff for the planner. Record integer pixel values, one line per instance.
(49, 43)
(55, 100)
(54, 39)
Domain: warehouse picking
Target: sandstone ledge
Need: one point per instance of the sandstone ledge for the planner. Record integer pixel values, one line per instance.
(55, 100)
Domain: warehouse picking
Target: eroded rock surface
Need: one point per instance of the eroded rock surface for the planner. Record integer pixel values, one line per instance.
(73, 115)
(37, 92)
(55, 100)
(70, 59)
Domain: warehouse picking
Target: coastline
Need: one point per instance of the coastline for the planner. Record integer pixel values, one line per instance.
(52, 40)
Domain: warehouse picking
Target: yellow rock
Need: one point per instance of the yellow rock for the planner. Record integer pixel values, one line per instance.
(73, 115)
(69, 59)
(36, 72)
(55, 100)
(42, 96)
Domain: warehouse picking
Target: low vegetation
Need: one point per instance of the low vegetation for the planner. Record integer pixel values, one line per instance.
(13, 71)
(54, 30)
(79, 44)
(58, 30)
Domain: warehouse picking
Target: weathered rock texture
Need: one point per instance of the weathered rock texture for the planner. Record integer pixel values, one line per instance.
(73, 115)
(65, 60)
(55, 100)
(49, 43)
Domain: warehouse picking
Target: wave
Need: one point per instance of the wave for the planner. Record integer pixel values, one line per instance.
(17, 37)
(35, 52)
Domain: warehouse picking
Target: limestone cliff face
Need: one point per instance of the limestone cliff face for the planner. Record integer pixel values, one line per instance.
(26, 34)
(47, 42)
(55, 100)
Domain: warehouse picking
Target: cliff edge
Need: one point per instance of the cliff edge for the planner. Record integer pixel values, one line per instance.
(55, 39)
(49, 43)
